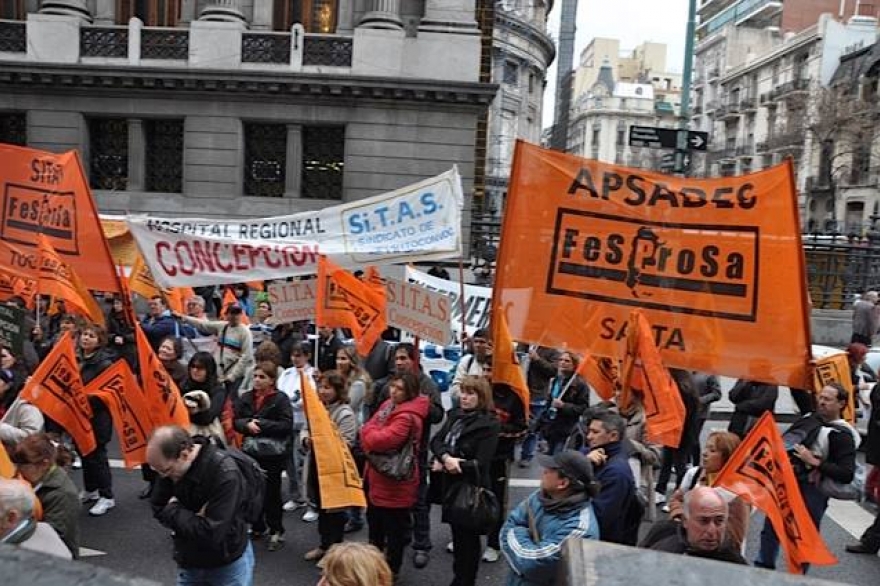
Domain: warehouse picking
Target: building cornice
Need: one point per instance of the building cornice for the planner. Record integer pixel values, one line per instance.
(528, 31)
(255, 85)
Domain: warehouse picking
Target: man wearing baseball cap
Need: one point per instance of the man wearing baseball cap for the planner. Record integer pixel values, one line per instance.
(533, 535)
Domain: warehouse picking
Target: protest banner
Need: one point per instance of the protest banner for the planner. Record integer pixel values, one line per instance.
(47, 193)
(477, 300)
(715, 264)
(417, 222)
(416, 309)
(12, 332)
(835, 368)
(60, 280)
(345, 301)
(292, 301)
(162, 396)
(505, 364)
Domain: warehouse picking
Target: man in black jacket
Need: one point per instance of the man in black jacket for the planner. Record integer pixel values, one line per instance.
(199, 497)
(751, 400)
(819, 445)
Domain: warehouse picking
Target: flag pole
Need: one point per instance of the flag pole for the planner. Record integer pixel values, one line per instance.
(461, 302)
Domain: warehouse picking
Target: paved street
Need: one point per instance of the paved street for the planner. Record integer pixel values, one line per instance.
(134, 543)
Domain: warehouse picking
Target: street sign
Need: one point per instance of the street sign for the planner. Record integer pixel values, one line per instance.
(665, 138)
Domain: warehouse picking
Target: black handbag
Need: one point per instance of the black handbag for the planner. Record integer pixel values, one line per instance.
(471, 507)
(396, 464)
(265, 447)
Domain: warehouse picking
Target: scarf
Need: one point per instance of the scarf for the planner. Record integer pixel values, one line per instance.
(463, 419)
(261, 397)
(555, 506)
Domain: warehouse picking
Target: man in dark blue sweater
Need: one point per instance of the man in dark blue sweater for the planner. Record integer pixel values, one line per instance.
(609, 456)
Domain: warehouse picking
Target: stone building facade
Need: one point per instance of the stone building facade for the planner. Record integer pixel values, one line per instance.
(244, 107)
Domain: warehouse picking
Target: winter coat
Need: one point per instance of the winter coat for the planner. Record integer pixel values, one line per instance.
(59, 498)
(709, 391)
(539, 373)
(475, 445)
(386, 433)
(751, 400)
(428, 389)
(617, 489)
(20, 420)
(207, 519)
(576, 399)
(872, 443)
(117, 325)
(677, 543)
(204, 411)
(534, 563)
(275, 417)
(327, 350)
(158, 328)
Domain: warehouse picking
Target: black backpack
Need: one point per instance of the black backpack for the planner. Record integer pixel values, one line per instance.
(254, 482)
(632, 518)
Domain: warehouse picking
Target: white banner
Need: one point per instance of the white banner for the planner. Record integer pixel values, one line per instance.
(477, 300)
(293, 301)
(420, 311)
(418, 222)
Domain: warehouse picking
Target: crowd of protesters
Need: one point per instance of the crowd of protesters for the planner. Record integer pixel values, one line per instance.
(242, 378)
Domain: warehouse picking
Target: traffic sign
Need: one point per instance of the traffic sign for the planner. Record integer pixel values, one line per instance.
(666, 138)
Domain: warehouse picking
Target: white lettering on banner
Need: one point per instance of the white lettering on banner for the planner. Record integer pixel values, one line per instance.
(414, 223)
(477, 300)
(419, 311)
(294, 301)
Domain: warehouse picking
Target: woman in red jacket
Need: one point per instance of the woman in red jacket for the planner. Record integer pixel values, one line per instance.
(389, 502)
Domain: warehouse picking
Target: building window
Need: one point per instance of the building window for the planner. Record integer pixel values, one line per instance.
(532, 83)
(316, 16)
(164, 158)
(323, 161)
(108, 153)
(595, 141)
(621, 136)
(13, 10)
(13, 128)
(511, 73)
(265, 159)
(151, 12)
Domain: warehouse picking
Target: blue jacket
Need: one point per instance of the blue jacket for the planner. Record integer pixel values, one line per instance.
(618, 487)
(535, 563)
(159, 328)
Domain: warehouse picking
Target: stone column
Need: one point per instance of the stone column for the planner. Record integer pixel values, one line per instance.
(105, 12)
(293, 167)
(345, 17)
(383, 14)
(262, 18)
(453, 16)
(137, 155)
(77, 8)
(187, 12)
(223, 10)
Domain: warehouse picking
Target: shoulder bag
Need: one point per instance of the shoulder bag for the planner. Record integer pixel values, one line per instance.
(470, 506)
(395, 464)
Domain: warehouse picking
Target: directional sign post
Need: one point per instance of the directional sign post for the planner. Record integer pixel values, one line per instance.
(666, 138)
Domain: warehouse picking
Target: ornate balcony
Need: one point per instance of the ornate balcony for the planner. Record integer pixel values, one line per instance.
(13, 36)
(265, 48)
(165, 43)
(103, 41)
(331, 50)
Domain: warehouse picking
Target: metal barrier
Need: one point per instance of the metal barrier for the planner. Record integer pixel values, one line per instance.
(839, 268)
(20, 567)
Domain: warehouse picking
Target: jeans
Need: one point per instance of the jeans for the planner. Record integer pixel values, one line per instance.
(499, 472)
(816, 504)
(536, 409)
(422, 513)
(238, 573)
(389, 531)
(96, 472)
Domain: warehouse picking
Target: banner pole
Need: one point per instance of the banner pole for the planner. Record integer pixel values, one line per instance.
(461, 302)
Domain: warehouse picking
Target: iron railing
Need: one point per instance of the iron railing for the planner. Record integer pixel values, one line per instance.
(327, 50)
(13, 37)
(839, 267)
(265, 48)
(165, 43)
(103, 41)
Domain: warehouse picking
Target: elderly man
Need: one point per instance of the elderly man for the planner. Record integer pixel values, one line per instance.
(703, 530)
(19, 525)
(864, 319)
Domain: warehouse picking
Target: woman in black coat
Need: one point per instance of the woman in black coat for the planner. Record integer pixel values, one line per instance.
(463, 450)
(266, 412)
(120, 334)
(201, 376)
(567, 399)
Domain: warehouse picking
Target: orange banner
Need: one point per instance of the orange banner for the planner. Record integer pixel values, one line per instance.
(56, 388)
(119, 390)
(759, 471)
(140, 280)
(60, 280)
(7, 468)
(11, 284)
(601, 373)
(161, 394)
(338, 478)
(46, 193)
(715, 264)
(645, 375)
(347, 302)
(835, 368)
(505, 365)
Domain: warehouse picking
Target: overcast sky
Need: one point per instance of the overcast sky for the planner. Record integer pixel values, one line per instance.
(631, 21)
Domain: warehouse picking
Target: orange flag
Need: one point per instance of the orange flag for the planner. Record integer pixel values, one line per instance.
(119, 390)
(505, 365)
(7, 468)
(347, 302)
(759, 471)
(59, 279)
(602, 374)
(338, 478)
(161, 394)
(229, 298)
(835, 368)
(645, 375)
(56, 388)
(11, 284)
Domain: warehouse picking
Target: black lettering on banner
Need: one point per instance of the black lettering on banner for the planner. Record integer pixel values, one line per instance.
(134, 434)
(28, 211)
(766, 471)
(64, 383)
(341, 299)
(700, 269)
